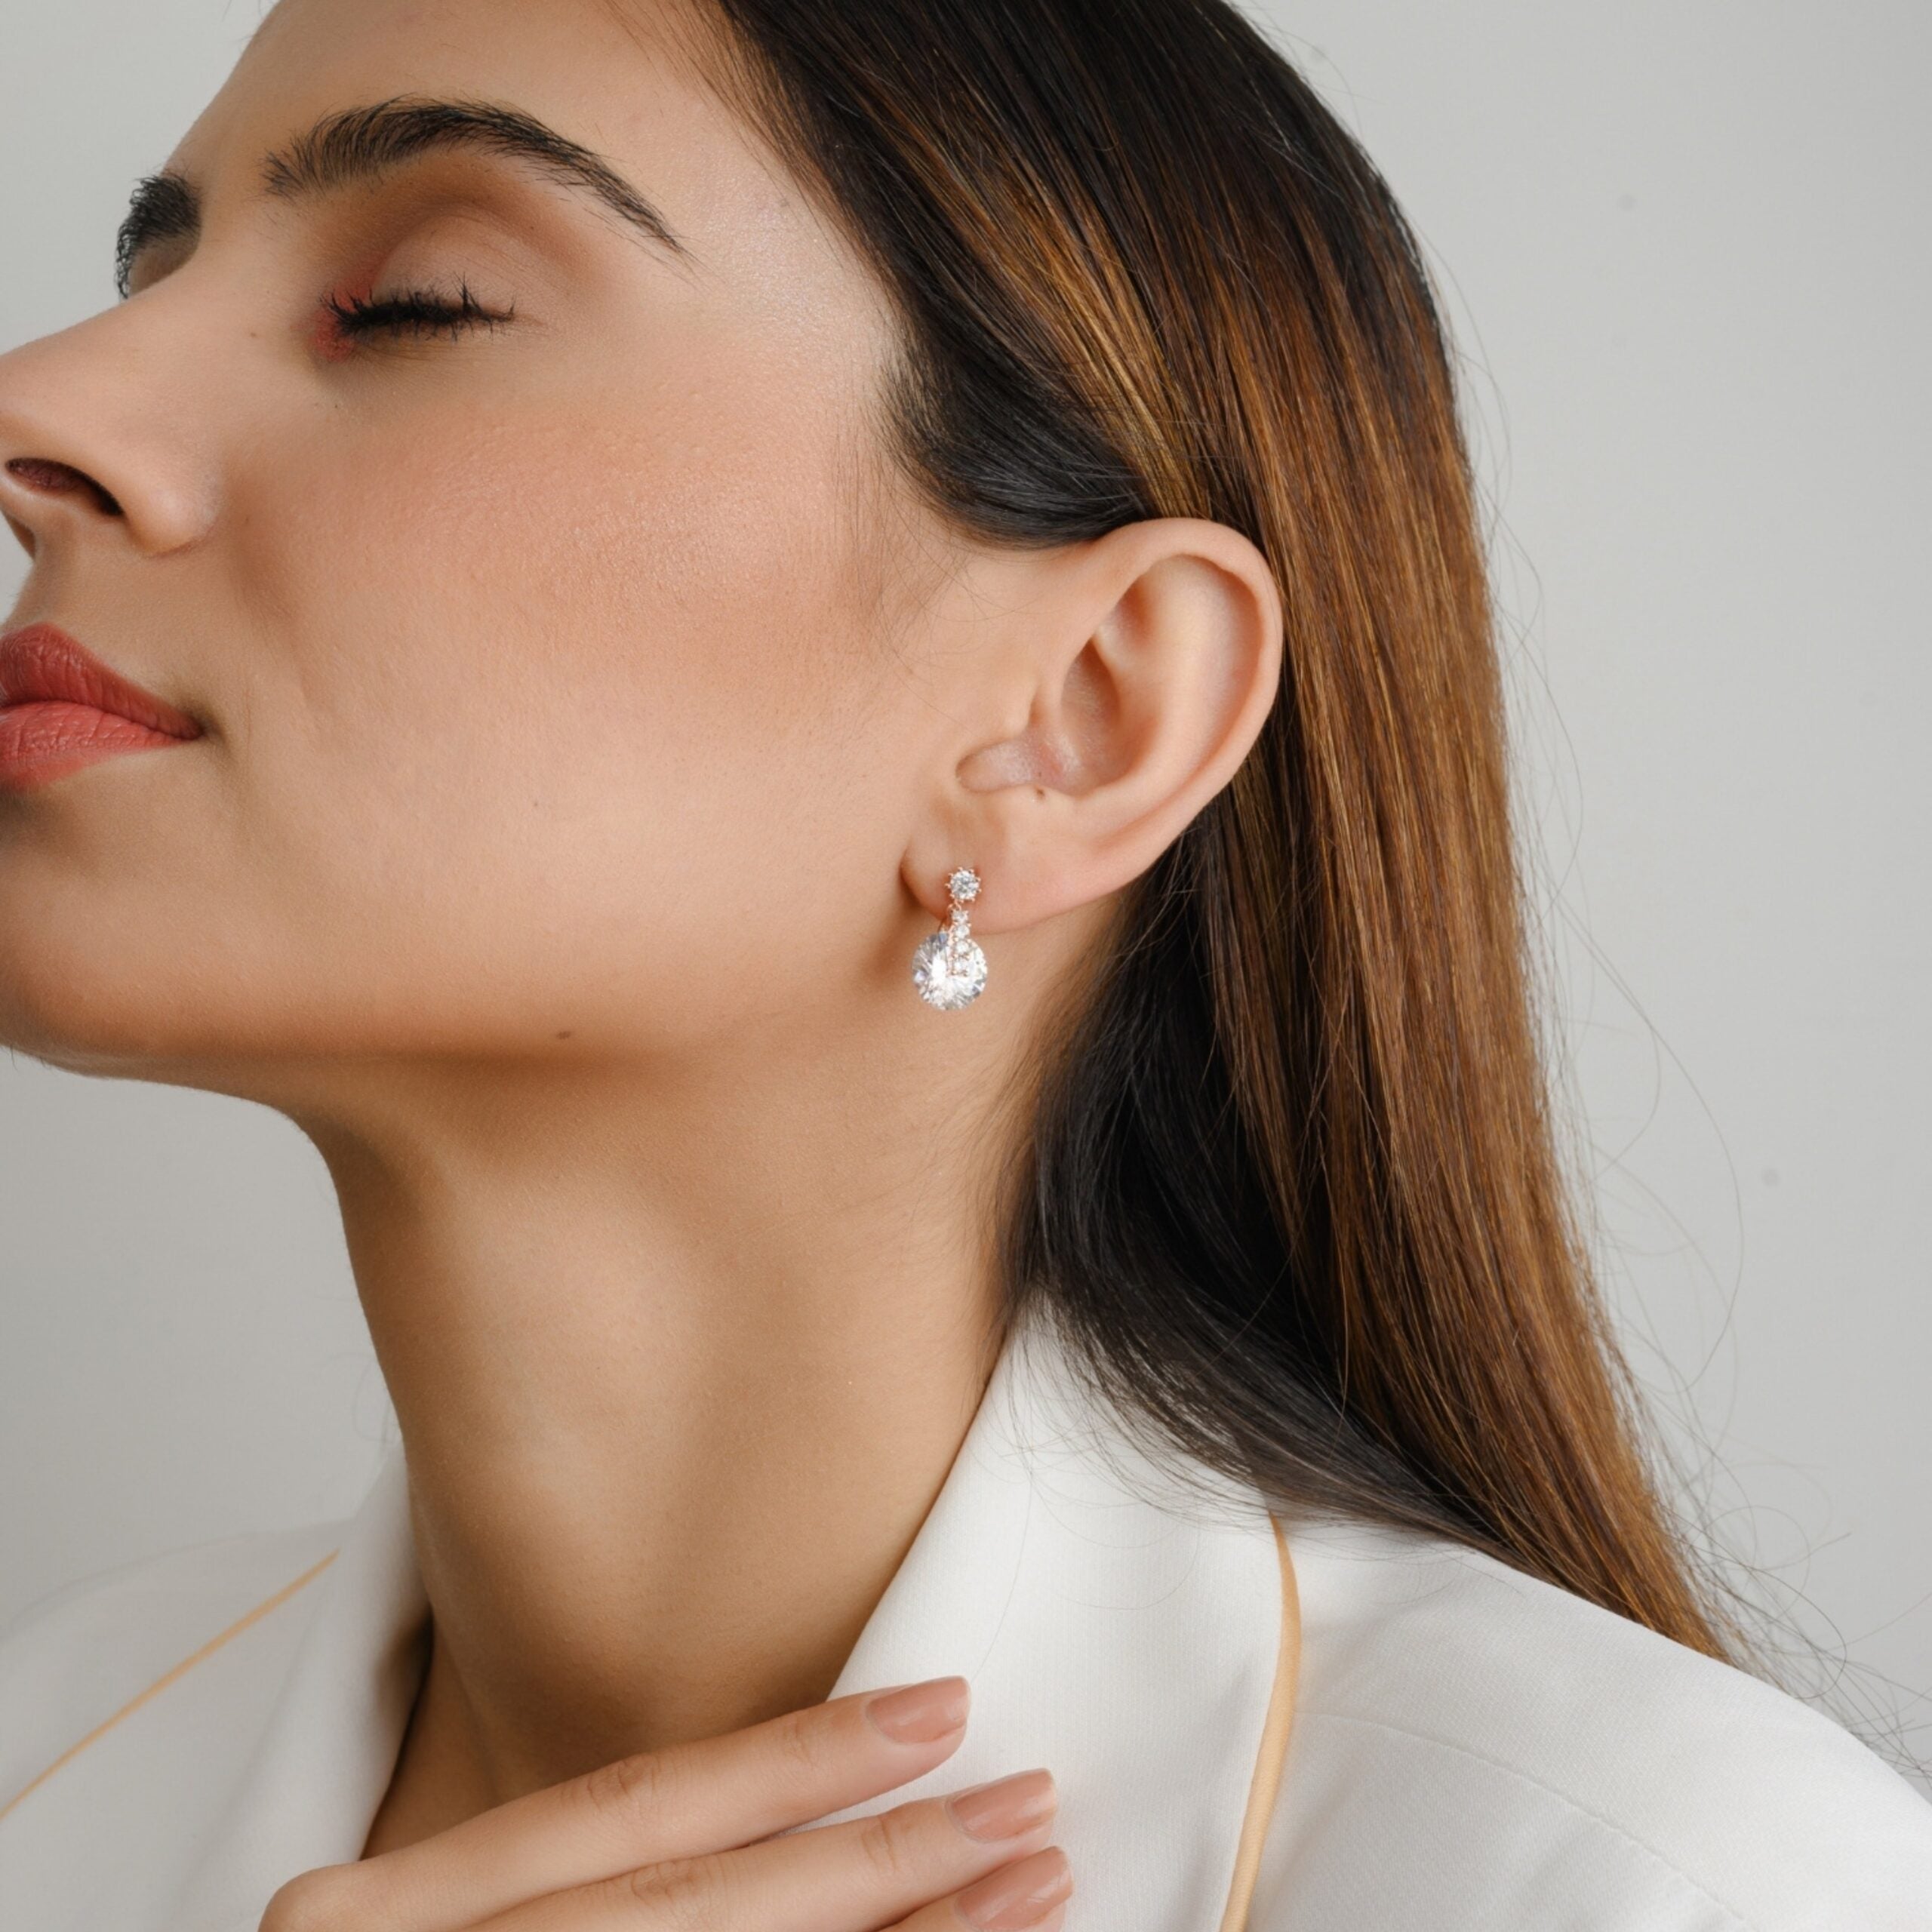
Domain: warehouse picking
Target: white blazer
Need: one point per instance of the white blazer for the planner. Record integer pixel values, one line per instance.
(1254, 1727)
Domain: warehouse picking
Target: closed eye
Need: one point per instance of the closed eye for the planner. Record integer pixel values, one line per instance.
(412, 312)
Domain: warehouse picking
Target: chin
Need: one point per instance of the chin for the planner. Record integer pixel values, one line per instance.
(97, 1005)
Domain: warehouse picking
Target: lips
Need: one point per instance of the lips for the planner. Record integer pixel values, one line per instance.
(41, 664)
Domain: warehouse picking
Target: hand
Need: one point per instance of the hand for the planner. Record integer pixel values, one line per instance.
(698, 1838)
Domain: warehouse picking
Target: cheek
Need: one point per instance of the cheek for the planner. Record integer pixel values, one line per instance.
(560, 705)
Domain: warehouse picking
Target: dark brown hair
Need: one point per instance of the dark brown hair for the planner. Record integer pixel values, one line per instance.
(1293, 1186)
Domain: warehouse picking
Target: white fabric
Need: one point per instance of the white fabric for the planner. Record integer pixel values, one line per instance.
(1475, 1751)
(1471, 1751)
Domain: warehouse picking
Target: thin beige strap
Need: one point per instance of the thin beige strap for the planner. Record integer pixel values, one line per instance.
(161, 1684)
(1274, 1746)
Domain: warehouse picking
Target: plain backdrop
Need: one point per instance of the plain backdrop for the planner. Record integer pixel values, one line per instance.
(1684, 248)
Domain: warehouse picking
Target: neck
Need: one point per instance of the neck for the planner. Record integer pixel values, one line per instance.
(680, 1368)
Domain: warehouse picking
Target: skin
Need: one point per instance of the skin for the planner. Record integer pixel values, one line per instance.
(592, 716)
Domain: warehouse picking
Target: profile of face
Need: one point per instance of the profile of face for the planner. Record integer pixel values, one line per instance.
(572, 669)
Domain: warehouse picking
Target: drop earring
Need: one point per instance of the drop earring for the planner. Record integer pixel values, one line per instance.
(948, 969)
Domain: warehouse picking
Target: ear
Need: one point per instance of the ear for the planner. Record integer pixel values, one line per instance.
(1143, 665)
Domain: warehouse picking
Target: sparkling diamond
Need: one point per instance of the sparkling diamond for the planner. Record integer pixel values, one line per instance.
(949, 987)
(964, 884)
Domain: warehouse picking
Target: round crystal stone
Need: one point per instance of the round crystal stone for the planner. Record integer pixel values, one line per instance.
(949, 988)
(964, 884)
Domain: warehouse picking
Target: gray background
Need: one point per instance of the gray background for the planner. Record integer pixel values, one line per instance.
(1684, 246)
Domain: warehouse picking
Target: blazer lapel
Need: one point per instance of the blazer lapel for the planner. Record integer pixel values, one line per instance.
(1136, 1635)
(1145, 1655)
(326, 1751)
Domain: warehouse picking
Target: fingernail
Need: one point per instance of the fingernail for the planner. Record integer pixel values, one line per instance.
(1006, 1807)
(920, 1713)
(1021, 1897)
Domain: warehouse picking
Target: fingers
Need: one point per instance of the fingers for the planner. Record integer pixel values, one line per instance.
(681, 1803)
(1029, 1895)
(846, 1878)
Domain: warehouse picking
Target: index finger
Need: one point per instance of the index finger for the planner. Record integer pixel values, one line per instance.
(708, 1795)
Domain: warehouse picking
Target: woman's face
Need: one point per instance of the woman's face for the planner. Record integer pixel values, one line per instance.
(559, 676)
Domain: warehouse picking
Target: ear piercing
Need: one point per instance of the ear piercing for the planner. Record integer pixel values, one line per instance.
(948, 969)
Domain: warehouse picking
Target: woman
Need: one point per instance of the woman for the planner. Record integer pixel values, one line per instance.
(608, 532)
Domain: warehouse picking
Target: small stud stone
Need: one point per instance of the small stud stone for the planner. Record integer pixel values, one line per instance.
(964, 885)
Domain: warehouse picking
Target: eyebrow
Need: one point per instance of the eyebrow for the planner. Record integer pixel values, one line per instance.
(358, 143)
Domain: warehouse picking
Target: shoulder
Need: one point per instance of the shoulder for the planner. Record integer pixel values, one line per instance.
(1472, 1748)
(91, 1660)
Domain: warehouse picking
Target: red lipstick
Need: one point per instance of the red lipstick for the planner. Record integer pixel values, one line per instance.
(61, 707)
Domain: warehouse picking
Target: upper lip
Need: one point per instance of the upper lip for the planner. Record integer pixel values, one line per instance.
(41, 662)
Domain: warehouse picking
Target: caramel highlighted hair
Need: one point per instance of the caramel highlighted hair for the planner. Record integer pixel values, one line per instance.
(1293, 1188)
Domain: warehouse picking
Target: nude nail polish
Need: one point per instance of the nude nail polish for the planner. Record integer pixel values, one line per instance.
(1022, 1897)
(920, 1713)
(1005, 1808)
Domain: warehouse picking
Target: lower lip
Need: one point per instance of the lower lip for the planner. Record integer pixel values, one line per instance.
(42, 740)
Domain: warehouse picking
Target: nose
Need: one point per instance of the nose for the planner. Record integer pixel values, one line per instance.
(47, 476)
(96, 445)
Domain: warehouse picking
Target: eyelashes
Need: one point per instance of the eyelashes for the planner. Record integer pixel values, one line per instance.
(412, 312)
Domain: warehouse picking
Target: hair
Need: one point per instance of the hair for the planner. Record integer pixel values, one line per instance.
(1291, 1184)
